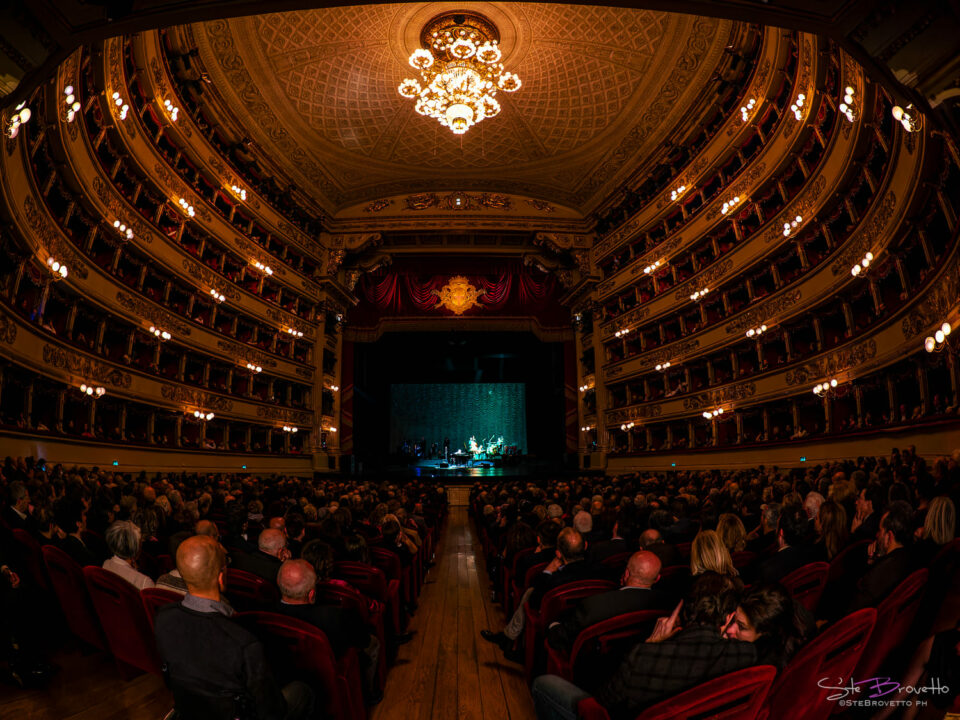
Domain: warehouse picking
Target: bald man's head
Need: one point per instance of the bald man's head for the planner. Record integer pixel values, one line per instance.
(649, 537)
(207, 527)
(277, 523)
(643, 569)
(200, 560)
(272, 542)
(571, 545)
(296, 579)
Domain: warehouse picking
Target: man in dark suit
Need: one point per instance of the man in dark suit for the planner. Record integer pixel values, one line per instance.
(266, 562)
(888, 558)
(214, 666)
(16, 514)
(794, 547)
(765, 537)
(599, 551)
(636, 593)
(68, 516)
(652, 541)
(547, 532)
(670, 661)
(866, 521)
(343, 627)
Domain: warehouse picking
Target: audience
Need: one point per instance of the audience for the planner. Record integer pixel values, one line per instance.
(123, 540)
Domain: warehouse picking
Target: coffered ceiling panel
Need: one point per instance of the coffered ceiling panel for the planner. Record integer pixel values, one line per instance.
(317, 91)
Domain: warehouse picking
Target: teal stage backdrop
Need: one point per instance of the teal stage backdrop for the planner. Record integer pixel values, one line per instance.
(433, 412)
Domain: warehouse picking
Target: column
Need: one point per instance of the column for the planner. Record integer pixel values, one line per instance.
(123, 421)
(61, 401)
(739, 419)
(177, 431)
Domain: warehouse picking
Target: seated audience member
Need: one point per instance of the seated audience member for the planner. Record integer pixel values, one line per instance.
(237, 523)
(888, 559)
(768, 617)
(635, 593)
(793, 550)
(939, 528)
(622, 540)
(172, 580)
(732, 532)
(16, 513)
(546, 550)
(354, 548)
(867, 517)
(69, 517)
(652, 541)
(765, 537)
(583, 524)
(709, 554)
(831, 528)
(216, 668)
(343, 627)
(811, 505)
(567, 566)
(296, 533)
(123, 540)
(266, 561)
(677, 656)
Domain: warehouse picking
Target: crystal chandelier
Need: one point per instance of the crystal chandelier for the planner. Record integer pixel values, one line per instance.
(460, 71)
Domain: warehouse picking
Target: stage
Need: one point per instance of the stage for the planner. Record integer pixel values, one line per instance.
(502, 467)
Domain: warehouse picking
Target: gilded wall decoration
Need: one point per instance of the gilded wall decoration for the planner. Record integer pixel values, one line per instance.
(378, 205)
(198, 398)
(51, 239)
(334, 260)
(458, 295)
(936, 304)
(70, 361)
(246, 353)
(763, 313)
(725, 394)
(741, 186)
(131, 218)
(284, 414)
(8, 329)
(867, 238)
(636, 412)
(756, 89)
(832, 363)
(708, 278)
(150, 313)
(672, 352)
(304, 372)
(541, 205)
(804, 207)
(210, 279)
(285, 318)
(630, 317)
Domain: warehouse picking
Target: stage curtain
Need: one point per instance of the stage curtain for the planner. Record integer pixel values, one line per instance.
(383, 292)
(421, 291)
(496, 292)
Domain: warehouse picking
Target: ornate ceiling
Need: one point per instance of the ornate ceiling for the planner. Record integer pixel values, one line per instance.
(602, 89)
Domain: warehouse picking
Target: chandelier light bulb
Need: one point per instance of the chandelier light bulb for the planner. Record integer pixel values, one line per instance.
(945, 328)
(833, 383)
(939, 336)
(929, 344)
(210, 416)
(855, 270)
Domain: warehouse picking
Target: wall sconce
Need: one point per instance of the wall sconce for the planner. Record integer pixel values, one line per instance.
(186, 207)
(908, 117)
(239, 192)
(118, 102)
(662, 366)
(71, 105)
(714, 414)
(254, 368)
(621, 332)
(266, 269)
(57, 269)
(862, 265)
(822, 389)
(161, 335)
(294, 332)
(747, 109)
(125, 232)
(92, 391)
(730, 204)
(797, 105)
(21, 116)
(846, 107)
(755, 332)
(652, 267)
(171, 109)
(290, 429)
(219, 297)
(202, 416)
(628, 426)
(938, 341)
(789, 227)
(698, 295)
(674, 194)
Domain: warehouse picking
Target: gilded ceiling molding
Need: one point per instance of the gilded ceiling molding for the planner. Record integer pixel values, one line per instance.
(197, 398)
(152, 314)
(72, 362)
(832, 363)
(49, 236)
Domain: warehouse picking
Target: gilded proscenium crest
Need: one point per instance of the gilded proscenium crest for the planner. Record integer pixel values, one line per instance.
(458, 295)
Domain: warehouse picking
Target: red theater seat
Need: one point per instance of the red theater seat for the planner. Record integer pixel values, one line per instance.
(806, 584)
(293, 643)
(123, 619)
(247, 591)
(734, 696)
(156, 598)
(68, 582)
(894, 617)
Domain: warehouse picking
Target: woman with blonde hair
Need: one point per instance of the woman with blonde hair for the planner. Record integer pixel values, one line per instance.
(709, 554)
(831, 527)
(732, 532)
(939, 528)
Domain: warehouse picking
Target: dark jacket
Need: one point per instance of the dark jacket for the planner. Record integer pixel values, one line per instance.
(881, 578)
(668, 554)
(597, 608)
(535, 558)
(654, 671)
(80, 553)
(781, 563)
(213, 665)
(343, 627)
(598, 552)
(260, 564)
(571, 572)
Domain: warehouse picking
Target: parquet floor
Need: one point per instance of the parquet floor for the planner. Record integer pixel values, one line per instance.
(447, 671)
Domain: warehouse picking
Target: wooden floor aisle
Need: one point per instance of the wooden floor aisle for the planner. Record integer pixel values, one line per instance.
(448, 671)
